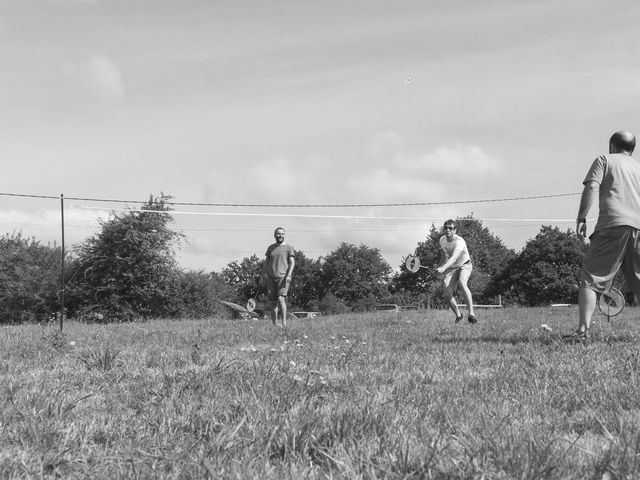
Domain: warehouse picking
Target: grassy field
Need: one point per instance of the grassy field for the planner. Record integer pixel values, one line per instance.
(409, 395)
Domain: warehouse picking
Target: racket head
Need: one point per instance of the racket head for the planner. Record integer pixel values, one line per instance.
(611, 303)
(251, 305)
(412, 263)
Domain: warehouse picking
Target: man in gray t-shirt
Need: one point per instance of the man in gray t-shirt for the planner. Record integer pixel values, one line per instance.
(613, 179)
(277, 271)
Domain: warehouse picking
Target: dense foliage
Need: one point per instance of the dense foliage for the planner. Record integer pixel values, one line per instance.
(29, 279)
(305, 290)
(198, 295)
(244, 278)
(547, 270)
(128, 269)
(357, 275)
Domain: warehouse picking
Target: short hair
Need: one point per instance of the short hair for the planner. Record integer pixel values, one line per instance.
(279, 228)
(449, 222)
(623, 140)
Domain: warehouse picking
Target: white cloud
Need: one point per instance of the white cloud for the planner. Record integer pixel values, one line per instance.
(44, 224)
(382, 185)
(460, 161)
(391, 176)
(101, 75)
(397, 175)
(275, 177)
(272, 181)
(391, 151)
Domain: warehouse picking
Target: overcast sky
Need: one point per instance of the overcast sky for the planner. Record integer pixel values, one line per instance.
(307, 102)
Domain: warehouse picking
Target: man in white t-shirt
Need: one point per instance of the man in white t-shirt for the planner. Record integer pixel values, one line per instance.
(614, 180)
(456, 268)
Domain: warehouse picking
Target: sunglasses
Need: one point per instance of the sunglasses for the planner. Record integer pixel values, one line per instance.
(449, 228)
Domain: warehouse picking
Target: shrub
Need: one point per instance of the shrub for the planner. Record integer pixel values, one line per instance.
(30, 279)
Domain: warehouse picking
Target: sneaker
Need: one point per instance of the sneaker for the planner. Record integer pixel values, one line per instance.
(577, 337)
(472, 319)
(459, 318)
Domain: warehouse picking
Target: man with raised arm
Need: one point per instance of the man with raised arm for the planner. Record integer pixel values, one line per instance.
(614, 180)
(456, 268)
(277, 271)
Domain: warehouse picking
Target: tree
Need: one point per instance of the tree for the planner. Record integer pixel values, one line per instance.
(547, 270)
(305, 285)
(488, 253)
(244, 277)
(198, 293)
(356, 275)
(30, 279)
(128, 269)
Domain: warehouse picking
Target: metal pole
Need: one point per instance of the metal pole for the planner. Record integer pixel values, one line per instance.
(62, 263)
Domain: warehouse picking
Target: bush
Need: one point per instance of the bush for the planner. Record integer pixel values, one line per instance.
(128, 270)
(197, 295)
(30, 279)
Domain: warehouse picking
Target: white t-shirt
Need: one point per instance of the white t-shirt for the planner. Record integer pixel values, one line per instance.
(457, 246)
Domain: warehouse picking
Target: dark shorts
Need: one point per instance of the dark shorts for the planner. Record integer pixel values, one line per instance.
(610, 250)
(277, 287)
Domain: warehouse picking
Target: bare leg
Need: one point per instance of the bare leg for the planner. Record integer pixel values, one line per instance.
(466, 293)
(448, 295)
(274, 312)
(282, 303)
(587, 305)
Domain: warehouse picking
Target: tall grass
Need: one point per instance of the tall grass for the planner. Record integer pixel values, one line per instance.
(409, 395)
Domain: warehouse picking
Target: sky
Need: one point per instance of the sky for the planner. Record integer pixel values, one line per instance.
(294, 102)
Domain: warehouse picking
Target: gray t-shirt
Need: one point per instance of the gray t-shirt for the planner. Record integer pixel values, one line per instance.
(278, 259)
(619, 197)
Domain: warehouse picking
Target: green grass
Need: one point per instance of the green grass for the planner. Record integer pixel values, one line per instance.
(409, 395)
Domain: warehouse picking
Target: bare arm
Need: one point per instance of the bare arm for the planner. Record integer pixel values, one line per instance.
(265, 269)
(454, 257)
(589, 195)
(292, 263)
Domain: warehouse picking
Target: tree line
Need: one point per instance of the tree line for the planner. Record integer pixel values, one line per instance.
(128, 271)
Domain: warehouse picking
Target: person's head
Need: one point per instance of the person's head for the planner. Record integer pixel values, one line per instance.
(449, 228)
(278, 234)
(622, 142)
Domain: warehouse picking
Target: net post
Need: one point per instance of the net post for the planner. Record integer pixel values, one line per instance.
(62, 281)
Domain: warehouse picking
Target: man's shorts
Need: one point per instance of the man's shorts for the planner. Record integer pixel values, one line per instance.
(612, 249)
(277, 287)
(453, 276)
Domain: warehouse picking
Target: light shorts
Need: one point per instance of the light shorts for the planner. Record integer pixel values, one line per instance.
(612, 249)
(277, 287)
(453, 276)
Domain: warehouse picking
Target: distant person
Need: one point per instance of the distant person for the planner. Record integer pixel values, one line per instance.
(614, 180)
(277, 271)
(456, 268)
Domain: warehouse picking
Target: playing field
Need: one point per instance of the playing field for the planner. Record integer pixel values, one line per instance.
(399, 395)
